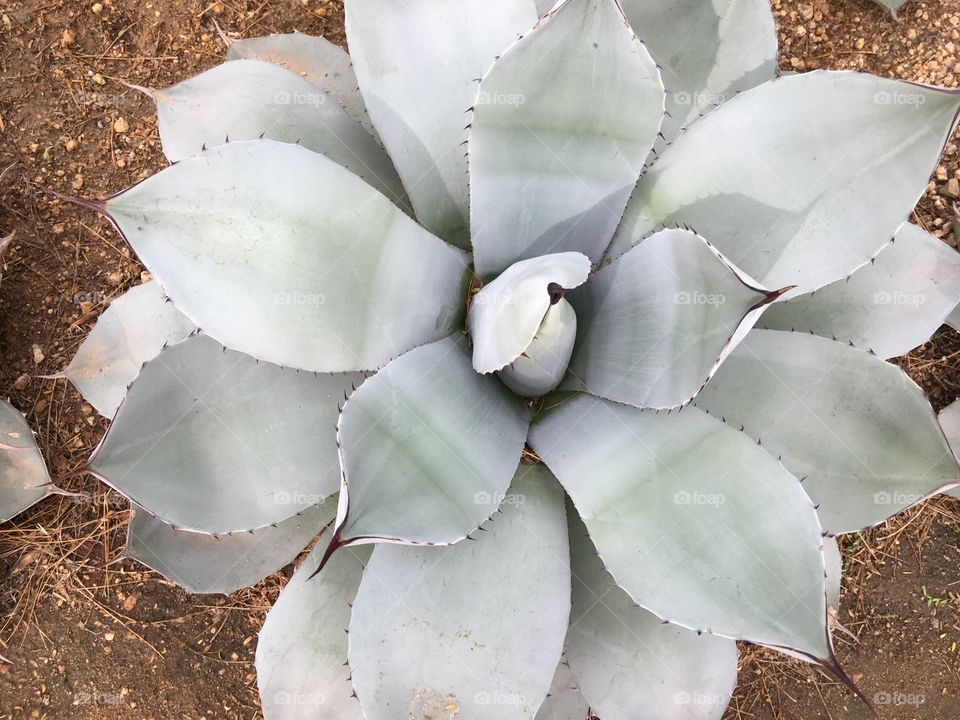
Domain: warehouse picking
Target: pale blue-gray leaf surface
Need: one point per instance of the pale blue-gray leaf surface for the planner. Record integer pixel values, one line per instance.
(215, 441)
(798, 203)
(484, 621)
(316, 60)
(23, 474)
(301, 659)
(657, 322)
(248, 99)
(628, 663)
(202, 563)
(726, 47)
(507, 312)
(418, 62)
(285, 255)
(132, 330)
(428, 448)
(857, 429)
(699, 524)
(890, 306)
(561, 127)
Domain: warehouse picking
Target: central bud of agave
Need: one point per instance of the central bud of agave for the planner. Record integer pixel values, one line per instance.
(522, 326)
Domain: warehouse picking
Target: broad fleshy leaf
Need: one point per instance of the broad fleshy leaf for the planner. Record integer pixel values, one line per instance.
(856, 429)
(316, 60)
(657, 322)
(249, 99)
(202, 563)
(301, 660)
(561, 127)
(417, 62)
(726, 47)
(544, 363)
(428, 448)
(565, 701)
(285, 255)
(506, 314)
(212, 440)
(132, 330)
(890, 306)
(793, 203)
(696, 522)
(953, 319)
(630, 664)
(23, 474)
(949, 419)
(484, 620)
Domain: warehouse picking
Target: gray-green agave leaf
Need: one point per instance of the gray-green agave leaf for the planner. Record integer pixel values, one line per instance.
(474, 630)
(283, 254)
(554, 150)
(301, 660)
(316, 60)
(890, 306)
(507, 313)
(798, 203)
(856, 429)
(23, 474)
(544, 363)
(664, 491)
(202, 563)
(564, 701)
(417, 63)
(628, 662)
(132, 330)
(213, 441)
(249, 99)
(657, 322)
(428, 448)
(727, 47)
(949, 419)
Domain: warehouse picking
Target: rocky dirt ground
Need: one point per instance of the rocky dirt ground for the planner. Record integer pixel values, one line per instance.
(94, 639)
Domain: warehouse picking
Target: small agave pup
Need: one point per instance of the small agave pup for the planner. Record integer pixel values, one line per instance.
(711, 406)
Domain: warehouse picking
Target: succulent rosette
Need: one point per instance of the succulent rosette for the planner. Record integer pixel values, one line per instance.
(568, 330)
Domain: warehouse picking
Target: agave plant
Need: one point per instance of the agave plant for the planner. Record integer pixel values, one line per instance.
(522, 239)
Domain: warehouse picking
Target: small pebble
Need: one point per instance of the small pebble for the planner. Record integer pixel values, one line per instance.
(22, 382)
(97, 8)
(120, 125)
(37, 354)
(68, 38)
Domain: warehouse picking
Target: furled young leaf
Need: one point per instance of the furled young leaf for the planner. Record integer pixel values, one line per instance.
(316, 60)
(428, 448)
(248, 99)
(950, 422)
(202, 563)
(657, 322)
(506, 314)
(726, 47)
(417, 63)
(132, 330)
(302, 668)
(283, 254)
(23, 474)
(565, 701)
(628, 662)
(483, 621)
(856, 429)
(694, 520)
(214, 441)
(544, 363)
(561, 127)
(791, 202)
(890, 306)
